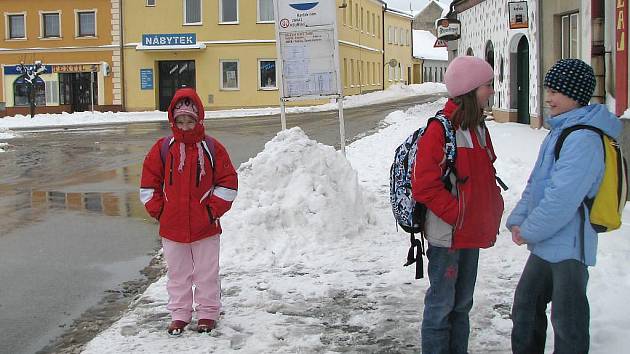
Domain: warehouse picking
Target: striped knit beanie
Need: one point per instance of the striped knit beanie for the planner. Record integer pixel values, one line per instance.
(573, 78)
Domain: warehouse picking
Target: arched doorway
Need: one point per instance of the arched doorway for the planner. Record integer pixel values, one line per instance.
(489, 56)
(522, 80)
(470, 52)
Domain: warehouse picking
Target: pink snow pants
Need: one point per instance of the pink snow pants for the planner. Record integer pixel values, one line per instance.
(193, 263)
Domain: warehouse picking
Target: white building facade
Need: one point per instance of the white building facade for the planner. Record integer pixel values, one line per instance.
(513, 53)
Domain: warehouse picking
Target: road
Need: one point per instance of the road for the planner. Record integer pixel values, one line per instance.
(73, 234)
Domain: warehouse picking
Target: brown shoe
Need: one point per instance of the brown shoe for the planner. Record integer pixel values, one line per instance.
(205, 325)
(176, 327)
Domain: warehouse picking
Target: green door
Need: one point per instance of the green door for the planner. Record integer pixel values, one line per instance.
(522, 80)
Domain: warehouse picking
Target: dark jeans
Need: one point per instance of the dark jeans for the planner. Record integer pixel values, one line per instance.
(452, 277)
(564, 284)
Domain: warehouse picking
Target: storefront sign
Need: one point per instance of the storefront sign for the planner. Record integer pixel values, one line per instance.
(621, 75)
(174, 39)
(74, 68)
(518, 14)
(146, 79)
(448, 29)
(17, 69)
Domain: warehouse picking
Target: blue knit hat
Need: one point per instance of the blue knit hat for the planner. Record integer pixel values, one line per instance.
(573, 78)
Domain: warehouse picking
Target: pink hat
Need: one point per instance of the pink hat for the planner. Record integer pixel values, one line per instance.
(465, 74)
(185, 106)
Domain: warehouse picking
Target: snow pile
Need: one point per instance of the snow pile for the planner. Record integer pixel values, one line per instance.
(302, 192)
(6, 134)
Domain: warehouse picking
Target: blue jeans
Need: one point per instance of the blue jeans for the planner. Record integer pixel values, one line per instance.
(452, 277)
(564, 284)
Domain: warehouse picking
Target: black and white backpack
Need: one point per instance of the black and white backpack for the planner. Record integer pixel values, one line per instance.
(409, 214)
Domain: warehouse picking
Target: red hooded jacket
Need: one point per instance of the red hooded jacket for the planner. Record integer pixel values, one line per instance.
(185, 193)
(474, 211)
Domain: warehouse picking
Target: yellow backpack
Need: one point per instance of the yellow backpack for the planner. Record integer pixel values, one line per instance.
(607, 205)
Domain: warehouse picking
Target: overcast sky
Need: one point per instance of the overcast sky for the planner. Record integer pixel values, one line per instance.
(415, 4)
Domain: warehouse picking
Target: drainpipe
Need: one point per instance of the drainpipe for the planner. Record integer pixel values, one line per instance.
(123, 89)
(383, 40)
(541, 71)
(597, 50)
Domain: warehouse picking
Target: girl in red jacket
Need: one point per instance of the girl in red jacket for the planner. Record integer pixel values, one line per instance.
(463, 209)
(188, 182)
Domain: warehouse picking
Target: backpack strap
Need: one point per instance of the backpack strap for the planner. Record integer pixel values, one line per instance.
(450, 143)
(165, 147)
(565, 132)
(588, 202)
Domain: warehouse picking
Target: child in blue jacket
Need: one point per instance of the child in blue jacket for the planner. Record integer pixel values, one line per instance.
(548, 216)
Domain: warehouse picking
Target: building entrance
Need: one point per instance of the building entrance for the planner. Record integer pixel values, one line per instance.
(74, 90)
(174, 74)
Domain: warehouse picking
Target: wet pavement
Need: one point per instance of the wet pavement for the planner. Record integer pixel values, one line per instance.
(74, 236)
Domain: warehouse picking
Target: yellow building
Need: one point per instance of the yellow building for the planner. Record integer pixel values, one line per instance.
(398, 55)
(78, 44)
(226, 49)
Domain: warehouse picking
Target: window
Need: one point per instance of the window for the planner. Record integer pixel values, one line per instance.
(20, 92)
(389, 34)
(350, 12)
(16, 26)
(390, 72)
(150, 2)
(52, 92)
(378, 28)
(345, 72)
(87, 24)
(373, 25)
(362, 27)
(229, 75)
(192, 12)
(50, 25)
(267, 74)
(570, 32)
(356, 15)
(265, 10)
(229, 11)
(367, 21)
(351, 72)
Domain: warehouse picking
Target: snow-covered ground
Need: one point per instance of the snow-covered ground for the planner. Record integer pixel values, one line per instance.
(312, 261)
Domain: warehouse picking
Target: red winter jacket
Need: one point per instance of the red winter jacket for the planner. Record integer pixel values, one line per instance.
(188, 203)
(472, 211)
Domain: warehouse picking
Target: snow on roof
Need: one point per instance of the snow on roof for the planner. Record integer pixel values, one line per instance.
(423, 42)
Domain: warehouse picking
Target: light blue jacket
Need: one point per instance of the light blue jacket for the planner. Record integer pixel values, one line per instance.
(548, 210)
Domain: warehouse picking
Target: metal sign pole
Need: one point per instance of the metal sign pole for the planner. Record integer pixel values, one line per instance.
(342, 129)
(283, 113)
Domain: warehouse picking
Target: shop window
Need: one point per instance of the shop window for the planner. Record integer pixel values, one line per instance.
(16, 27)
(86, 24)
(265, 10)
(570, 31)
(20, 92)
(229, 75)
(52, 92)
(229, 11)
(50, 25)
(267, 74)
(192, 12)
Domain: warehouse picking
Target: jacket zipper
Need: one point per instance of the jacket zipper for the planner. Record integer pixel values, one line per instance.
(462, 209)
(170, 172)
